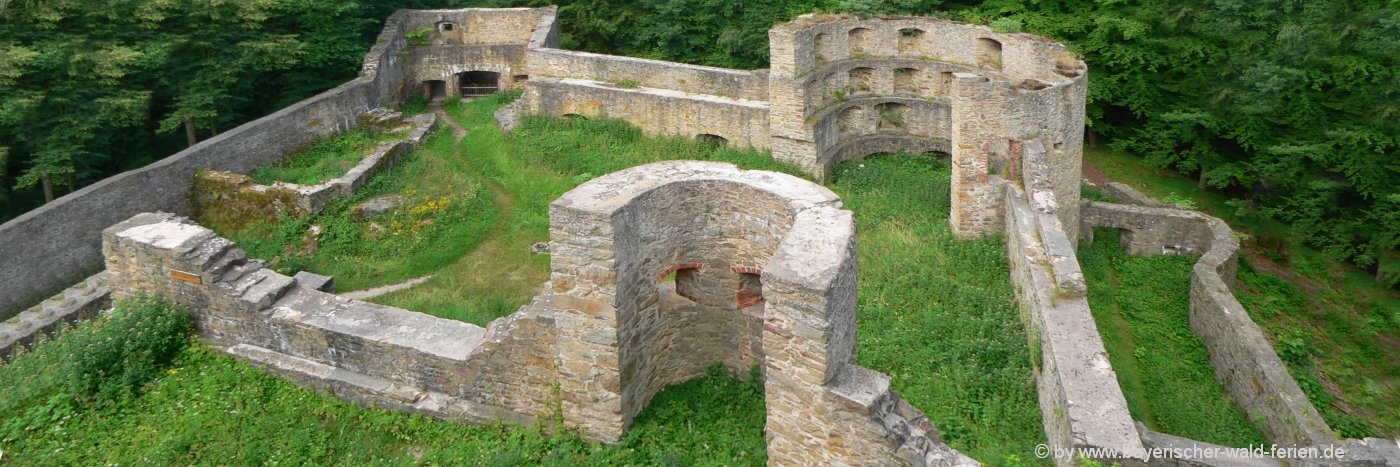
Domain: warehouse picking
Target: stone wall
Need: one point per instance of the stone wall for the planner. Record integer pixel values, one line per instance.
(929, 84)
(656, 74)
(47, 249)
(75, 304)
(232, 199)
(1081, 404)
(740, 123)
(1244, 361)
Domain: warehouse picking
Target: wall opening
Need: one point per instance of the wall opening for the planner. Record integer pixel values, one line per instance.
(714, 140)
(478, 83)
(520, 78)
(860, 41)
(862, 79)
(574, 117)
(988, 53)
(906, 80)
(911, 41)
(446, 26)
(822, 44)
(435, 89)
(851, 122)
(893, 117)
(945, 83)
(750, 293)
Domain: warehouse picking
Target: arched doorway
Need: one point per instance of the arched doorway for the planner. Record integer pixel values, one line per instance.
(435, 89)
(478, 83)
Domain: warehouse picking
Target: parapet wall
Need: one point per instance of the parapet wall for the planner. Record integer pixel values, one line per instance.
(1244, 361)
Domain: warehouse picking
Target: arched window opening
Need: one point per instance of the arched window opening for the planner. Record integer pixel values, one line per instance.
(906, 80)
(822, 44)
(860, 41)
(911, 41)
(714, 140)
(478, 83)
(750, 293)
(988, 53)
(852, 122)
(893, 117)
(446, 26)
(862, 79)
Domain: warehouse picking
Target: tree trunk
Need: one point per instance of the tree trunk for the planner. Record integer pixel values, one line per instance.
(1093, 138)
(71, 185)
(1380, 274)
(190, 136)
(48, 188)
(213, 128)
(1201, 181)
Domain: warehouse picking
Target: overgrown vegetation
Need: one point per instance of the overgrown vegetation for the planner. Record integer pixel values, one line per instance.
(1300, 296)
(1141, 306)
(324, 159)
(938, 314)
(207, 408)
(446, 213)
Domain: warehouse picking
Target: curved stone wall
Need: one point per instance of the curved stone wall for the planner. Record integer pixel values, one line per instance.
(981, 93)
(623, 336)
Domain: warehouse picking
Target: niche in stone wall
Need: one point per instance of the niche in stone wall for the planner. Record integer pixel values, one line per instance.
(893, 117)
(822, 44)
(852, 122)
(945, 83)
(750, 291)
(478, 83)
(435, 89)
(712, 140)
(860, 40)
(988, 53)
(912, 41)
(906, 80)
(862, 79)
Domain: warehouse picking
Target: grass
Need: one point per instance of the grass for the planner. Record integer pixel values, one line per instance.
(1141, 306)
(1301, 298)
(322, 160)
(202, 407)
(448, 213)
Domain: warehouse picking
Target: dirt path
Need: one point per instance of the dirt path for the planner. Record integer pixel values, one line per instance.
(1094, 175)
(504, 202)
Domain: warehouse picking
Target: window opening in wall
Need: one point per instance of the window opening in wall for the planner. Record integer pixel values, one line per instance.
(989, 53)
(446, 27)
(859, 42)
(945, 83)
(688, 283)
(911, 41)
(435, 89)
(906, 80)
(822, 44)
(862, 79)
(478, 83)
(520, 78)
(892, 116)
(750, 293)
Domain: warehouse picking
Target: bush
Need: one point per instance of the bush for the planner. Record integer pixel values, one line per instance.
(105, 360)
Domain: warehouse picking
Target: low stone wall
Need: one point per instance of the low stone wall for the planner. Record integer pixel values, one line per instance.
(690, 79)
(743, 123)
(232, 199)
(80, 302)
(1244, 361)
(48, 248)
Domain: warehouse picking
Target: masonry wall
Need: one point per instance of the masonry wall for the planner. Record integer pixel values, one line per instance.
(1244, 361)
(658, 112)
(52, 246)
(1081, 404)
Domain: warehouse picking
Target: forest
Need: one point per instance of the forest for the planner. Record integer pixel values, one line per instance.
(1289, 107)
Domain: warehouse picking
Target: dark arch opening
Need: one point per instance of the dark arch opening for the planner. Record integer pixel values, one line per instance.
(573, 117)
(710, 139)
(478, 83)
(435, 89)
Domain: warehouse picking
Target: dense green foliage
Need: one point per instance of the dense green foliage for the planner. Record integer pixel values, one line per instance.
(1141, 306)
(104, 362)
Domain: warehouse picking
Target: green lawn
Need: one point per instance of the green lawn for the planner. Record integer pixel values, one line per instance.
(1341, 329)
(324, 159)
(1141, 305)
